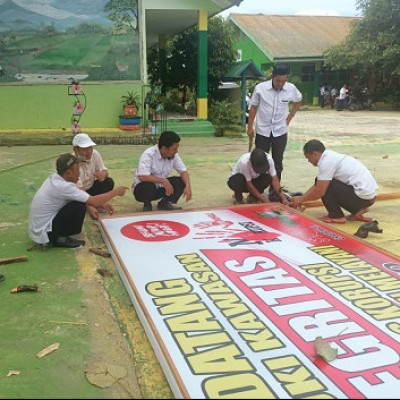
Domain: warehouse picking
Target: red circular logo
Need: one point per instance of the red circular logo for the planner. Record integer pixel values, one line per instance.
(155, 230)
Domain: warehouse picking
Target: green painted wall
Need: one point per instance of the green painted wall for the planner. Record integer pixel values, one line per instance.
(50, 106)
(249, 49)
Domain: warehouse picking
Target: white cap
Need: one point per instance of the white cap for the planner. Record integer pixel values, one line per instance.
(82, 140)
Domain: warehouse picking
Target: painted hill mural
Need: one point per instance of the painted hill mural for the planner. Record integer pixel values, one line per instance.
(43, 42)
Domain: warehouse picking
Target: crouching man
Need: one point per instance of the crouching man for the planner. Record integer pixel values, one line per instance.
(58, 208)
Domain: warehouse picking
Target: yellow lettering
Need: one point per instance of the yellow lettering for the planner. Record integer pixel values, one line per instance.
(179, 304)
(224, 359)
(387, 313)
(294, 376)
(238, 386)
(263, 340)
(373, 302)
(246, 322)
(189, 344)
(185, 259)
(394, 327)
(204, 277)
(194, 322)
(216, 287)
(333, 278)
(358, 294)
(320, 269)
(229, 304)
(385, 285)
(168, 288)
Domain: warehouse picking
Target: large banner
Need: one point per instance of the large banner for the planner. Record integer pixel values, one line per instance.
(234, 301)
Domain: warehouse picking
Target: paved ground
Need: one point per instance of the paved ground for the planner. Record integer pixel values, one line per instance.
(103, 349)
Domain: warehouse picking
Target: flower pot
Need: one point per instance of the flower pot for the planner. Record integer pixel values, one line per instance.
(124, 120)
(129, 123)
(129, 127)
(130, 110)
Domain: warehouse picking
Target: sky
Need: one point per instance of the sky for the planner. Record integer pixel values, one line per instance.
(343, 8)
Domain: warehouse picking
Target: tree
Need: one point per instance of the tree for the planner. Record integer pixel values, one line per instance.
(372, 49)
(182, 53)
(123, 13)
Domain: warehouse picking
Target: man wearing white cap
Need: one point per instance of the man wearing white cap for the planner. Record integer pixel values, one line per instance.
(93, 174)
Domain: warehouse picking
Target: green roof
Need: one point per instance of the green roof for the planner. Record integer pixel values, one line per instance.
(243, 68)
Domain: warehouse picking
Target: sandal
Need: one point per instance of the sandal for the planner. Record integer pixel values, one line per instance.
(359, 218)
(329, 220)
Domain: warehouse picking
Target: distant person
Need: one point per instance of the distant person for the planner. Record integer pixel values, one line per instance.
(58, 208)
(343, 99)
(323, 92)
(248, 97)
(270, 103)
(342, 182)
(93, 176)
(253, 173)
(152, 178)
(334, 96)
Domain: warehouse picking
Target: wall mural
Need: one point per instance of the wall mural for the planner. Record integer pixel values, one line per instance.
(57, 41)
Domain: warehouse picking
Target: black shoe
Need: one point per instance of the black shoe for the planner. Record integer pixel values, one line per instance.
(69, 242)
(252, 200)
(147, 207)
(238, 198)
(168, 206)
(274, 197)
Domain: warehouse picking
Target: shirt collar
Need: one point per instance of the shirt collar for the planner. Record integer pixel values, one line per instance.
(157, 150)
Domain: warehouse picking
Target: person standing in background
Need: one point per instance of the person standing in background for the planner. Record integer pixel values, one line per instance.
(323, 92)
(334, 95)
(343, 99)
(270, 103)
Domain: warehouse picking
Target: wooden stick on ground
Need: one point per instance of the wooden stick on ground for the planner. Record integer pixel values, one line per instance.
(13, 259)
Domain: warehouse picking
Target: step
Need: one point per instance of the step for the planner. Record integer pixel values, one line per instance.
(186, 127)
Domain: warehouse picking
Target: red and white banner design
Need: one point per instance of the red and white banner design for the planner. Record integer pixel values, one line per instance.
(233, 299)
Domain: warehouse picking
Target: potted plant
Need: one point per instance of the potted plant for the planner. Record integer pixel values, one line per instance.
(226, 117)
(131, 103)
(130, 120)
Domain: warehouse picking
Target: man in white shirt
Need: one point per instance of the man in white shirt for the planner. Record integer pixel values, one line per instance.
(152, 178)
(58, 207)
(253, 173)
(343, 99)
(270, 103)
(93, 176)
(342, 182)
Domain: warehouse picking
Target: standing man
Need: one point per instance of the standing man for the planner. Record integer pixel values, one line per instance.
(253, 173)
(152, 180)
(58, 208)
(93, 176)
(323, 91)
(270, 103)
(342, 182)
(343, 99)
(334, 96)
